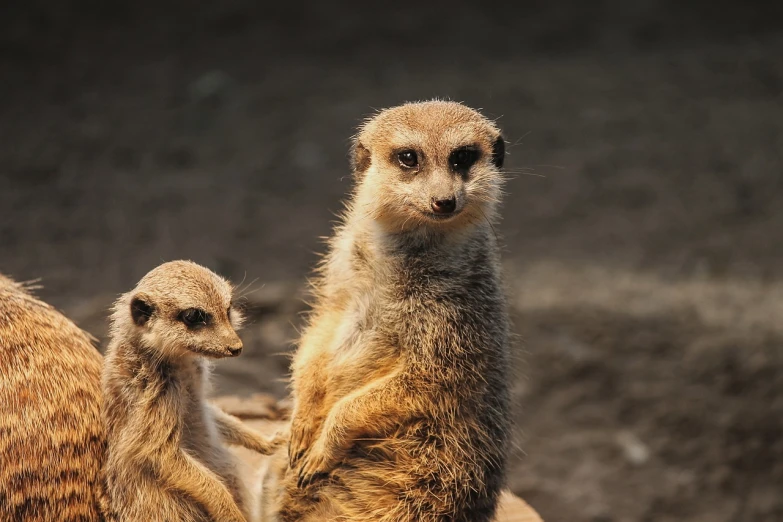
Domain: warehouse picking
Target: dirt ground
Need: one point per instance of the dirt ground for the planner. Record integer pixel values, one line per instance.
(642, 224)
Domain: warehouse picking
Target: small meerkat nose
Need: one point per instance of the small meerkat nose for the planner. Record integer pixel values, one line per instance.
(444, 206)
(234, 350)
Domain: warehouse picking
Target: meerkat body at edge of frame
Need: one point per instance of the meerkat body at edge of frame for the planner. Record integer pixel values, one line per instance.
(51, 434)
(400, 386)
(165, 457)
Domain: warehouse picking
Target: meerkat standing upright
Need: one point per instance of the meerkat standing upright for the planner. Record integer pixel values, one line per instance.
(165, 457)
(401, 400)
(51, 434)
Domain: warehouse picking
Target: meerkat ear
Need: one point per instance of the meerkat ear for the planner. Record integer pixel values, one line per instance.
(360, 158)
(499, 152)
(141, 310)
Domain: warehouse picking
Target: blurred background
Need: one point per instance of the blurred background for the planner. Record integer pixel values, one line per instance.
(642, 226)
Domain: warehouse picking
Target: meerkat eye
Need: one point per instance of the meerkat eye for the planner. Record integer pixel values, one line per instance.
(463, 158)
(194, 317)
(408, 159)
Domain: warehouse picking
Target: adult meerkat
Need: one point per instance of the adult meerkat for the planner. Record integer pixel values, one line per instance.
(400, 387)
(165, 456)
(51, 435)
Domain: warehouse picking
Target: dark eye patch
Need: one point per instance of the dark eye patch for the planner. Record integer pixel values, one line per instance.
(195, 317)
(463, 158)
(498, 152)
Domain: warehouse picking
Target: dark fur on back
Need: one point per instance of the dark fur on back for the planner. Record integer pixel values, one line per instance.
(51, 436)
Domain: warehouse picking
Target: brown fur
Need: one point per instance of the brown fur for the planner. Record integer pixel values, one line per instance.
(400, 386)
(165, 458)
(51, 437)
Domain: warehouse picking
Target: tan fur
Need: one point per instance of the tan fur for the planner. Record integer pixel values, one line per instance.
(165, 458)
(399, 383)
(51, 436)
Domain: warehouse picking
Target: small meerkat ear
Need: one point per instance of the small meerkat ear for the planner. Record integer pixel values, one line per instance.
(499, 152)
(141, 310)
(360, 158)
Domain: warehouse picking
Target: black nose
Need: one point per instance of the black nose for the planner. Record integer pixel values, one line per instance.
(444, 206)
(235, 350)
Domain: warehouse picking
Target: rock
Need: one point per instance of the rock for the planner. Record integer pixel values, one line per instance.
(635, 451)
(257, 406)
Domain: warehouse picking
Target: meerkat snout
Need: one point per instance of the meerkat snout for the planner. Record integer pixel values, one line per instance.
(446, 192)
(444, 206)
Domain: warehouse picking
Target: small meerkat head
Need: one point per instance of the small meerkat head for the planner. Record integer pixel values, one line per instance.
(428, 164)
(180, 308)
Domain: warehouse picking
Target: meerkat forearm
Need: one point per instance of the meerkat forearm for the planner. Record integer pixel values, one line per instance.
(373, 408)
(307, 376)
(177, 469)
(307, 416)
(184, 473)
(235, 432)
(140, 441)
(305, 425)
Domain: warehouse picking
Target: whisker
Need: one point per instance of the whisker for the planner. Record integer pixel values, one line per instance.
(488, 222)
(518, 141)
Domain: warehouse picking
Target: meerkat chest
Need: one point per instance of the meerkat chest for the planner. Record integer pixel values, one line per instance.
(351, 328)
(198, 427)
(355, 348)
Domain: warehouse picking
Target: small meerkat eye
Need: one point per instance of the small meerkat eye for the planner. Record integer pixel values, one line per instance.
(194, 317)
(408, 159)
(463, 158)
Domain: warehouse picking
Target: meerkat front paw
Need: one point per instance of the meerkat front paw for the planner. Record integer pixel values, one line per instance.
(281, 437)
(301, 438)
(316, 463)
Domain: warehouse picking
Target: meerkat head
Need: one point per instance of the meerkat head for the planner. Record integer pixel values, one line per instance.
(428, 164)
(179, 308)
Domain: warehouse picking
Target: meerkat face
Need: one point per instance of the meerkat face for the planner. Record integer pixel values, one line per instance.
(429, 164)
(180, 308)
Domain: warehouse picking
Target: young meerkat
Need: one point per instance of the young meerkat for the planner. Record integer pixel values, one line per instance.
(401, 399)
(165, 456)
(51, 434)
